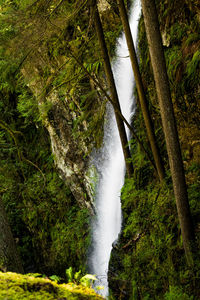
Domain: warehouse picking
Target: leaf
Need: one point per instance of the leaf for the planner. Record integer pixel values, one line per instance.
(87, 280)
(55, 278)
(69, 274)
(77, 275)
(89, 276)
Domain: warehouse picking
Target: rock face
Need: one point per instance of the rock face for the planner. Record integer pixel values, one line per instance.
(44, 64)
(103, 5)
(69, 152)
(69, 155)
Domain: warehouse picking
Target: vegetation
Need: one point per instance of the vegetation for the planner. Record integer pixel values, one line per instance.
(51, 118)
(169, 126)
(14, 286)
(113, 90)
(51, 231)
(140, 90)
(49, 224)
(152, 264)
(41, 209)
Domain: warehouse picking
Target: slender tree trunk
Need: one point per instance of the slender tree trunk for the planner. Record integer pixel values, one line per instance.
(112, 87)
(169, 125)
(98, 84)
(140, 89)
(9, 258)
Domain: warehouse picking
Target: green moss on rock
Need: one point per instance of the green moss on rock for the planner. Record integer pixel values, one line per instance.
(15, 286)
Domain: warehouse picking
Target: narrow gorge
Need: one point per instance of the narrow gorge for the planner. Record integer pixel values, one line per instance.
(70, 211)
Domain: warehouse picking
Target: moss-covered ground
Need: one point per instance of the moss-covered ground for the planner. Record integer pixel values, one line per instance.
(14, 286)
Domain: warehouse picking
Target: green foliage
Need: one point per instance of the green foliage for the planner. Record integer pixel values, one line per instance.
(148, 261)
(86, 280)
(6, 32)
(55, 278)
(151, 256)
(39, 206)
(28, 107)
(93, 67)
(192, 38)
(52, 231)
(70, 239)
(69, 274)
(177, 32)
(144, 53)
(174, 62)
(193, 67)
(44, 208)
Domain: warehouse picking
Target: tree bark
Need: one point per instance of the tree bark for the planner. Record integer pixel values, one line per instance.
(9, 258)
(112, 87)
(169, 125)
(140, 89)
(98, 84)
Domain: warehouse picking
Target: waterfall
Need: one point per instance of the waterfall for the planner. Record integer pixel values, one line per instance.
(109, 162)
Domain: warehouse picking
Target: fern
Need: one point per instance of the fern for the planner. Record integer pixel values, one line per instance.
(193, 67)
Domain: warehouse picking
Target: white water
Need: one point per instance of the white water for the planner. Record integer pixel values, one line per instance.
(110, 163)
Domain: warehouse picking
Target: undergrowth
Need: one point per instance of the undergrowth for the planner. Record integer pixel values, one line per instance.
(148, 261)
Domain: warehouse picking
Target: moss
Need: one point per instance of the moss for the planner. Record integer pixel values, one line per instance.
(148, 262)
(15, 286)
(150, 253)
(51, 229)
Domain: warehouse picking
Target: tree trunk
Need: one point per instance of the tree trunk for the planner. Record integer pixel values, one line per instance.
(112, 87)
(140, 89)
(169, 125)
(9, 258)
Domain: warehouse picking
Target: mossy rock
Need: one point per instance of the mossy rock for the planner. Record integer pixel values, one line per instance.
(15, 286)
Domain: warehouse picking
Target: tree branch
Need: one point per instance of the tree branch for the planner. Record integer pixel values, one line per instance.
(114, 106)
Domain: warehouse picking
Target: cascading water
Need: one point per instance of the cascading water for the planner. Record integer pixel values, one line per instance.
(110, 162)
